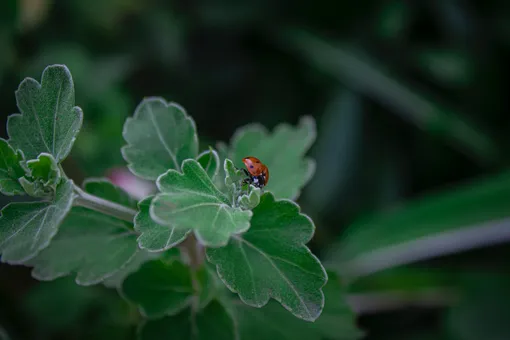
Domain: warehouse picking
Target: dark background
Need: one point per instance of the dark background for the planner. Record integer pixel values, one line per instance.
(410, 97)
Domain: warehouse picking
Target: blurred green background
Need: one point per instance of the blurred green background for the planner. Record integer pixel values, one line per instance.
(410, 98)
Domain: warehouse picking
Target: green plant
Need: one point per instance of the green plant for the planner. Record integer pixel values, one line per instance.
(173, 253)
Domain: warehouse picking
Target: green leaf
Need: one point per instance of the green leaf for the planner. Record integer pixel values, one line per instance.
(213, 322)
(271, 260)
(251, 200)
(43, 177)
(210, 161)
(89, 244)
(155, 237)
(10, 169)
(159, 137)
(49, 122)
(27, 228)
(467, 217)
(282, 151)
(191, 201)
(159, 288)
(337, 321)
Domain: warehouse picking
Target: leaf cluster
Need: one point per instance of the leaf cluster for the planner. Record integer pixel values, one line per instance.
(198, 254)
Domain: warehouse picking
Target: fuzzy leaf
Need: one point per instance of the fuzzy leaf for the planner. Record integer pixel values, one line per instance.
(213, 322)
(271, 260)
(159, 137)
(159, 288)
(337, 321)
(27, 228)
(155, 237)
(191, 201)
(49, 122)
(251, 200)
(10, 170)
(282, 151)
(89, 244)
(43, 177)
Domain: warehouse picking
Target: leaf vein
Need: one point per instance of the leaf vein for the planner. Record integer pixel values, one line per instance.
(160, 137)
(285, 278)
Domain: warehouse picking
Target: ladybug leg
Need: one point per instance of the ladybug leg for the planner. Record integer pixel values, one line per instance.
(247, 180)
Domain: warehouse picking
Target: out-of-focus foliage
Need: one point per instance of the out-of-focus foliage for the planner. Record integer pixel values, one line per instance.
(409, 97)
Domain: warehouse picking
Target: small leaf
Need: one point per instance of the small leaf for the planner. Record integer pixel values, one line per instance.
(337, 321)
(282, 151)
(49, 122)
(191, 201)
(155, 237)
(159, 137)
(210, 161)
(10, 170)
(159, 288)
(92, 245)
(233, 178)
(43, 177)
(213, 322)
(271, 260)
(27, 228)
(251, 200)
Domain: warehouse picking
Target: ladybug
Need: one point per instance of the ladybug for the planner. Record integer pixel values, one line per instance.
(257, 173)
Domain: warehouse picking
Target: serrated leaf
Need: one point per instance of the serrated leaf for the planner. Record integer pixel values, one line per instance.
(210, 161)
(471, 216)
(337, 321)
(10, 169)
(89, 244)
(49, 122)
(191, 201)
(271, 260)
(43, 177)
(159, 288)
(155, 237)
(213, 322)
(27, 228)
(251, 200)
(282, 151)
(159, 137)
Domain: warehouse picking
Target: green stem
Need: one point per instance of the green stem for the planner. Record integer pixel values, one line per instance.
(101, 205)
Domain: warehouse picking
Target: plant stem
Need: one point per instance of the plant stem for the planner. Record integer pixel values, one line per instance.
(101, 205)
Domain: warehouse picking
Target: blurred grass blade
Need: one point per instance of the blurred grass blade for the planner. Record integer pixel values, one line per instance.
(337, 150)
(466, 218)
(353, 68)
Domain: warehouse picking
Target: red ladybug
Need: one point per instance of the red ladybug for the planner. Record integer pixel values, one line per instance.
(257, 173)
